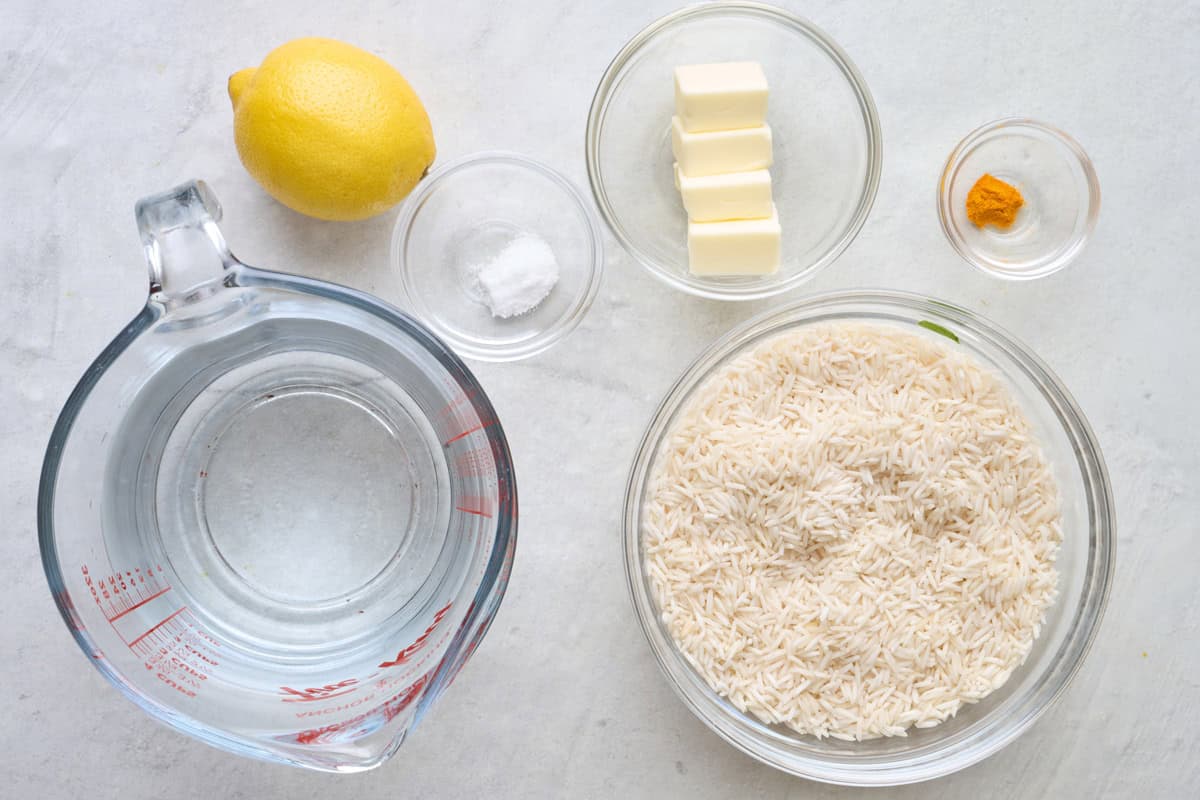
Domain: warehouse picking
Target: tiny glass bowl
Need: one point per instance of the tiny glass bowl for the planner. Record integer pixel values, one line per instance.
(1056, 180)
(827, 144)
(463, 215)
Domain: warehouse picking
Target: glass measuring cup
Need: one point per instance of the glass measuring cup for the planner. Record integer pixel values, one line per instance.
(276, 513)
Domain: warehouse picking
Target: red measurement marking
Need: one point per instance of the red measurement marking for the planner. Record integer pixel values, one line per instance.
(449, 407)
(474, 462)
(159, 625)
(408, 652)
(138, 605)
(468, 432)
(318, 693)
(474, 511)
(463, 399)
(389, 711)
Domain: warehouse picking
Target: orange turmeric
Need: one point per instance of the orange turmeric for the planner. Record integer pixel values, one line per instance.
(991, 201)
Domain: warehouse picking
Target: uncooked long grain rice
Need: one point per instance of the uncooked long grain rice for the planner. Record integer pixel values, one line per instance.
(851, 530)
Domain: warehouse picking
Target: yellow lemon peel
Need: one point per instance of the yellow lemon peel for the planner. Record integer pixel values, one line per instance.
(330, 130)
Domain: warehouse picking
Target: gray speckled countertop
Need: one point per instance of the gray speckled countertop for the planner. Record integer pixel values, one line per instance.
(104, 102)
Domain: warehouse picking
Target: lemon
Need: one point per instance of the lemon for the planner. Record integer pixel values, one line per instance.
(330, 130)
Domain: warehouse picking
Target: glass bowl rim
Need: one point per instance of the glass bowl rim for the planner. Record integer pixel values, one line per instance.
(753, 737)
(945, 211)
(551, 335)
(598, 111)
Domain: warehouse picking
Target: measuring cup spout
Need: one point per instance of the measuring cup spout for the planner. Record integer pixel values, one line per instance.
(184, 247)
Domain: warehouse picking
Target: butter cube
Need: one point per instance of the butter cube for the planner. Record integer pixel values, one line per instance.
(734, 247)
(715, 152)
(732, 195)
(718, 97)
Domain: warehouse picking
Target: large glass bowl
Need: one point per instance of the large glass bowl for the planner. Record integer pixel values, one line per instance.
(1085, 561)
(827, 142)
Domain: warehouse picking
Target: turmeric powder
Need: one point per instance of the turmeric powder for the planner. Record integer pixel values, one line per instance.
(991, 201)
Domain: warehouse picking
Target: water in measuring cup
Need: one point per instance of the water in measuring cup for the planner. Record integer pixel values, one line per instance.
(298, 500)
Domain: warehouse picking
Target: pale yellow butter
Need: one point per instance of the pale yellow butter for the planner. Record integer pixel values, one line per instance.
(732, 195)
(717, 97)
(716, 152)
(734, 247)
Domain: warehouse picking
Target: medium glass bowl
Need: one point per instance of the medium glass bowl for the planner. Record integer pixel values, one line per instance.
(1085, 561)
(1056, 179)
(827, 142)
(463, 214)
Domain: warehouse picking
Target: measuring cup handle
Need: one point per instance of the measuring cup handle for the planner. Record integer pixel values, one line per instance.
(183, 245)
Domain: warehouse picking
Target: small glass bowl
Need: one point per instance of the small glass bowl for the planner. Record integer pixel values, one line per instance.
(1086, 558)
(827, 142)
(1053, 174)
(462, 215)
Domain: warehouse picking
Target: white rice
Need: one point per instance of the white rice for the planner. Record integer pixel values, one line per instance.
(851, 530)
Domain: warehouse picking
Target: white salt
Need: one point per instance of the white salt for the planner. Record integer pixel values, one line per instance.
(519, 277)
